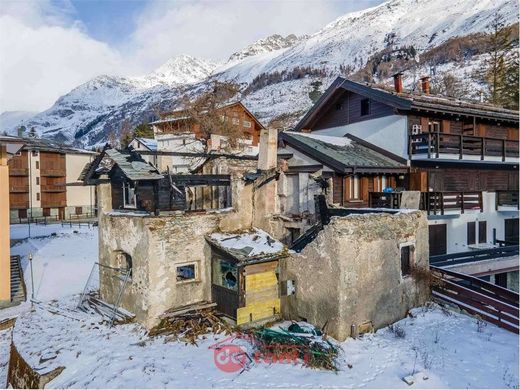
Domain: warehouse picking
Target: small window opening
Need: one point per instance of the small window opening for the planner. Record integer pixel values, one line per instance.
(365, 107)
(339, 106)
(185, 272)
(129, 196)
(406, 259)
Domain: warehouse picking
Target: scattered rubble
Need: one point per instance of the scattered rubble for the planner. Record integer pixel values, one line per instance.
(189, 325)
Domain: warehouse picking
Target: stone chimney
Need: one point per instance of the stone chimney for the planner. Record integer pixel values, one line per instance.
(268, 149)
(398, 82)
(425, 85)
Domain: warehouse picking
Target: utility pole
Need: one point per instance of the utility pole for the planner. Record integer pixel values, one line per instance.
(32, 278)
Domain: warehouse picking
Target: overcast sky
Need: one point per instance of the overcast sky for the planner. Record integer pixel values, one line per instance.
(48, 47)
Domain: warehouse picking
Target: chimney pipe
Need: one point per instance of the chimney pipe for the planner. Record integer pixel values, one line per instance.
(425, 84)
(398, 82)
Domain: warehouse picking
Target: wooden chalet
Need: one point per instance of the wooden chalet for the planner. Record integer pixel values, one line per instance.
(463, 156)
(236, 113)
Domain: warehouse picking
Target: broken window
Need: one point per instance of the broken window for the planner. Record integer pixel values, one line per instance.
(365, 107)
(124, 263)
(129, 196)
(186, 272)
(225, 274)
(406, 259)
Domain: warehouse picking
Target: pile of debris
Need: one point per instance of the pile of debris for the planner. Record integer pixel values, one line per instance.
(189, 323)
(113, 314)
(297, 341)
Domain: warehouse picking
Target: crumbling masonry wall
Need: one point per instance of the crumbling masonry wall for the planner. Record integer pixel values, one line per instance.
(351, 273)
(157, 245)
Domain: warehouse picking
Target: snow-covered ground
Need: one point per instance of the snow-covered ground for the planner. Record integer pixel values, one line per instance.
(5, 342)
(438, 348)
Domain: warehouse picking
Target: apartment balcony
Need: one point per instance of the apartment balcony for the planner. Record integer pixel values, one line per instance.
(53, 188)
(52, 172)
(18, 204)
(454, 146)
(435, 203)
(19, 188)
(18, 171)
(507, 200)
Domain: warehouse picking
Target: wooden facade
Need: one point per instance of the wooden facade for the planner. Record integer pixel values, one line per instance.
(235, 114)
(354, 191)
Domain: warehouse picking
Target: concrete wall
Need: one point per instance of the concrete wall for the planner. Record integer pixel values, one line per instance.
(157, 245)
(78, 195)
(351, 273)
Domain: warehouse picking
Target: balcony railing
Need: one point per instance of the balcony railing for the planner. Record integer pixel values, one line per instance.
(53, 188)
(436, 144)
(507, 199)
(435, 203)
(19, 188)
(18, 171)
(52, 172)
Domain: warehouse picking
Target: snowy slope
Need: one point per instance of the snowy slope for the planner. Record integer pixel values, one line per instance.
(91, 111)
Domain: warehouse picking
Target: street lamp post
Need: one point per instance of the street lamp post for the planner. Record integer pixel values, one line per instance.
(32, 278)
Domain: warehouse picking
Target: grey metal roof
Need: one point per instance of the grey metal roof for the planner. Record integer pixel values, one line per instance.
(133, 169)
(41, 144)
(342, 156)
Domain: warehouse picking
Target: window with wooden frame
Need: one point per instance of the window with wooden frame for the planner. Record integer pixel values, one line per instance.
(246, 124)
(186, 272)
(352, 188)
(434, 127)
(129, 200)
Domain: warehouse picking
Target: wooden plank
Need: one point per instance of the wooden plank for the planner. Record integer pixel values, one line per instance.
(258, 311)
(258, 268)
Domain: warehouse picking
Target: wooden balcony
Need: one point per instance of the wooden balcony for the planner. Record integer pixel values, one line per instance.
(18, 171)
(52, 172)
(19, 188)
(52, 203)
(53, 188)
(18, 204)
(507, 199)
(435, 145)
(435, 203)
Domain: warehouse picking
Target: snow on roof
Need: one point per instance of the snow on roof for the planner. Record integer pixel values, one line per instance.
(251, 244)
(150, 143)
(328, 139)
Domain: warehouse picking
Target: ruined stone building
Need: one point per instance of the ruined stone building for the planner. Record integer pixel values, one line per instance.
(221, 238)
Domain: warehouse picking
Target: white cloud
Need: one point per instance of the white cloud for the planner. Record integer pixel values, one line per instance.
(218, 28)
(45, 55)
(45, 52)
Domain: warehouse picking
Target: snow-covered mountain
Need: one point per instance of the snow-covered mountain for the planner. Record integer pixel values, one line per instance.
(276, 73)
(267, 45)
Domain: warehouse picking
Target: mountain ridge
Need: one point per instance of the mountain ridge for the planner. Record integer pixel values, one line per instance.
(88, 113)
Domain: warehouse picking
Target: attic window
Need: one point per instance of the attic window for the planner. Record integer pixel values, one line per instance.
(365, 107)
(339, 106)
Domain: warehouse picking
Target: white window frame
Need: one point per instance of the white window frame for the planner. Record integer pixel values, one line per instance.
(355, 185)
(235, 121)
(246, 124)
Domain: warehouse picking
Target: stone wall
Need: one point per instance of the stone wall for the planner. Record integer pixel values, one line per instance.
(351, 273)
(157, 245)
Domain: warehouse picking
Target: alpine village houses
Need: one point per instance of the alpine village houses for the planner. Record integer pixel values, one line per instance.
(462, 157)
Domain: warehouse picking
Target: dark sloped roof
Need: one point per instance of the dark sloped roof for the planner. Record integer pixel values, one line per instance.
(32, 143)
(408, 102)
(133, 168)
(345, 154)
